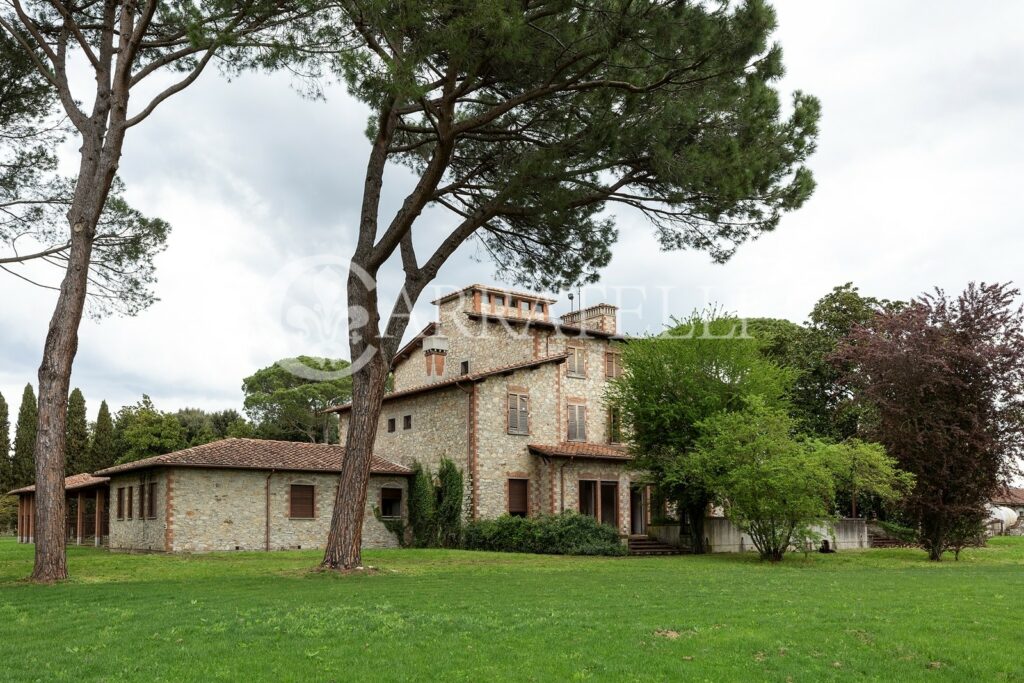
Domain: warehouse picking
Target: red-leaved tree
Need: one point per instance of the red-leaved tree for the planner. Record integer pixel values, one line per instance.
(943, 380)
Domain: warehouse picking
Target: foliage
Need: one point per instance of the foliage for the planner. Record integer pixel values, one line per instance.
(673, 382)
(201, 427)
(142, 431)
(449, 496)
(23, 464)
(286, 400)
(568, 533)
(422, 507)
(944, 381)
(865, 470)
(5, 447)
(103, 444)
(8, 513)
(76, 440)
(435, 508)
(772, 485)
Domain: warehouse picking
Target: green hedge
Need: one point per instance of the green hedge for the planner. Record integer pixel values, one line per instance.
(566, 534)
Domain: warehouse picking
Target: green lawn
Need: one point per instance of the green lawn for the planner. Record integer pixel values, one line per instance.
(441, 615)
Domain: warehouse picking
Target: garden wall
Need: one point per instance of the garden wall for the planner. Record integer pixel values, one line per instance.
(724, 537)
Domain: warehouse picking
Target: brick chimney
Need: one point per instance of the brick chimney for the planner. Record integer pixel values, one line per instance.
(602, 317)
(435, 350)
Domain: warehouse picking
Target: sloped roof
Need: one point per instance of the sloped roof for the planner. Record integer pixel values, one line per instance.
(72, 483)
(495, 290)
(1010, 495)
(258, 454)
(574, 449)
(471, 377)
(413, 343)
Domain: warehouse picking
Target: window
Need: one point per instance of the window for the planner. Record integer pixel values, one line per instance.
(390, 502)
(300, 499)
(577, 423)
(407, 422)
(576, 364)
(518, 497)
(130, 489)
(151, 501)
(391, 424)
(464, 367)
(120, 502)
(539, 308)
(612, 365)
(518, 414)
(142, 501)
(588, 498)
(614, 425)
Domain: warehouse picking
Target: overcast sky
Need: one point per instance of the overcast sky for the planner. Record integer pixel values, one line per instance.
(919, 169)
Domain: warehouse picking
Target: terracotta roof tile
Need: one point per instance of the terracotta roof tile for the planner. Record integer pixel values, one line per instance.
(471, 377)
(496, 290)
(572, 449)
(259, 454)
(1010, 495)
(75, 481)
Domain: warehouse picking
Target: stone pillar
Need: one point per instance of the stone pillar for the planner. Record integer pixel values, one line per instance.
(21, 520)
(98, 518)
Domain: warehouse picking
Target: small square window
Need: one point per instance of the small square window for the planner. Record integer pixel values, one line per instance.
(464, 367)
(539, 308)
(390, 502)
(391, 424)
(407, 422)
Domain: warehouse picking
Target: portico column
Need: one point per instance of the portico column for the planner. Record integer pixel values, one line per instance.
(21, 521)
(80, 521)
(98, 525)
(31, 518)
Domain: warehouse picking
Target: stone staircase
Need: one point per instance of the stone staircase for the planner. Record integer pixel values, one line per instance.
(646, 546)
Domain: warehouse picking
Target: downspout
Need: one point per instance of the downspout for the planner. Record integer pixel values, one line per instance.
(267, 525)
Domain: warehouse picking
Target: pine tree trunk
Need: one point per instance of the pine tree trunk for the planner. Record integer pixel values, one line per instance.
(94, 180)
(344, 543)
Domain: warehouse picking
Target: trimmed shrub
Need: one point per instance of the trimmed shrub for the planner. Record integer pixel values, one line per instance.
(568, 533)
(422, 508)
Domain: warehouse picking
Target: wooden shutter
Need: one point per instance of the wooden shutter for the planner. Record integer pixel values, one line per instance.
(518, 414)
(151, 500)
(120, 502)
(577, 423)
(301, 501)
(130, 490)
(518, 497)
(572, 423)
(524, 414)
(513, 414)
(142, 501)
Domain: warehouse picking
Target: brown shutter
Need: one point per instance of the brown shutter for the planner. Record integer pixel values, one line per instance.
(142, 501)
(151, 510)
(581, 423)
(524, 414)
(572, 423)
(513, 413)
(518, 496)
(301, 501)
(120, 502)
(130, 511)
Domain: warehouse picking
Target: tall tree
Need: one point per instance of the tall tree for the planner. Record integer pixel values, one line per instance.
(23, 462)
(142, 431)
(76, 442)
(672, 383)
(5, 447)
(287, 399)
(943, 380)
(102, 445)
(524, 122)
(131, 48)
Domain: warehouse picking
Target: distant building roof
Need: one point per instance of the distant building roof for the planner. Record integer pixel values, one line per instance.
(72, 483)
(1010, 495)
(573, 449)
(258, 454)
(465, 379)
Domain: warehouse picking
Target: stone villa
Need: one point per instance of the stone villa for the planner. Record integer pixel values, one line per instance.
(514, 398)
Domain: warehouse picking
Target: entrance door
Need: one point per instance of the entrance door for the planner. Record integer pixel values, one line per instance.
(610, 503)
(637, 511)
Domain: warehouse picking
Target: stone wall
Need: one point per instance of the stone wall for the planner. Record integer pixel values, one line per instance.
(226, 509)
(141, 532)
(725, 537)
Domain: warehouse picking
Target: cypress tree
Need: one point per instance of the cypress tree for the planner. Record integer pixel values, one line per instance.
(76, 441)
(5, 447)
(23, 466)
(102, 448)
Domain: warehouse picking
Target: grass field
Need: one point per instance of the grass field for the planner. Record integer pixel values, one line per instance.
(445, 615)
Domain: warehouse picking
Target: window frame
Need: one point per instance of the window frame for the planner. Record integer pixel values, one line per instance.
(614, 425)
(383, 514)
(525, 512)
(142, 500)
(291, 500)
(151, 501)
(129, 506)
(120, 502)
(578, 368)
(406, 422)
(570, 420)
(392, 425)
(464, 367)
(612, 364)
(521, 412)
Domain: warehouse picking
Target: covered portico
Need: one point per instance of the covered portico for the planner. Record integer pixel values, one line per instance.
(86, 504)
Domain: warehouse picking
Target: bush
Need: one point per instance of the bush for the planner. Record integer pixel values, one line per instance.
(566, 534)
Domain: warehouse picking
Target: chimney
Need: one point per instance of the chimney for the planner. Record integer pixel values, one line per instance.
(601, 317)
(435, 350)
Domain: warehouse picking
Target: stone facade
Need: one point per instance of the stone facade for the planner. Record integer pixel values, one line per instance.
(207, 509)
(468, 421)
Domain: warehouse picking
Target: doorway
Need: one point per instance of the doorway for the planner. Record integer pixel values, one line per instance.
(638, 510)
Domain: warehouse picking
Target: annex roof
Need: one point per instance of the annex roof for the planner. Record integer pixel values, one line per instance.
(461, 379)
(258, 454)
(495, 290)
(573, 449)
(72, 483)
(1010, 495)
